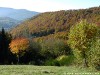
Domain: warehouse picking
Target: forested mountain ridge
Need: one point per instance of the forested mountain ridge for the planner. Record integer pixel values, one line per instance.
(10, 17)
(53, 22)
(17, 14)
(8, 23)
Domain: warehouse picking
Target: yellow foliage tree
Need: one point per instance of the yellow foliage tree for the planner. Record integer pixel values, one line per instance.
(80, 37)
(19, 46)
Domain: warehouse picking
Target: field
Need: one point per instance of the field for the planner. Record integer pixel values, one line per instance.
(44, 70)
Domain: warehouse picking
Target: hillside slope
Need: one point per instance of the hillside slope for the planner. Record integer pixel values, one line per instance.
(8, 23)
(53, 22)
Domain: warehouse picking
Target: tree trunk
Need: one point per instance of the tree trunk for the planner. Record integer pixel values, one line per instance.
(17, 59)
(85, 62)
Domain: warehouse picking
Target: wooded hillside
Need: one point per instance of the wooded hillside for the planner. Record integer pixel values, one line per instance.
(53, 22)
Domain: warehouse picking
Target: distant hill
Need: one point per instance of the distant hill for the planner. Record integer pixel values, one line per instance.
(17, 14)
(53, 22)
(10, 17)
(8, 23)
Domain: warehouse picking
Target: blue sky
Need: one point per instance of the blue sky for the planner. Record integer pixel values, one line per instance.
(49, 5)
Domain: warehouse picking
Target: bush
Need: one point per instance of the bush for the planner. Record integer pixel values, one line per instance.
(52, 48)
(32, 63)
(65, 60)
(52, 62)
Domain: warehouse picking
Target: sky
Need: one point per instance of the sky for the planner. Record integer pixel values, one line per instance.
(49, 5)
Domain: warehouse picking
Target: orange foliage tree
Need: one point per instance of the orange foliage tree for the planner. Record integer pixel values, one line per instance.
(19, 46)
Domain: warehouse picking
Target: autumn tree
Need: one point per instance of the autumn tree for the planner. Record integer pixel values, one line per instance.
(19, 46)
(80, 37)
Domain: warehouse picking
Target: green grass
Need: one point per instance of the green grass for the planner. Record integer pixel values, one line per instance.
(44, 70)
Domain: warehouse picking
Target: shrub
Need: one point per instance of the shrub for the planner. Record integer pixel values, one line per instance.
(65, 60)
(54, 48)
(32, 63)
(52, 62)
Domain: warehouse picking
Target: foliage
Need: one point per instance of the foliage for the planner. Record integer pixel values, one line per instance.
(53, 22)
(33, 55)
(80, 37)
(51, 62)
(65, 60)
(19, 46)
(94, 54)
(54, 47)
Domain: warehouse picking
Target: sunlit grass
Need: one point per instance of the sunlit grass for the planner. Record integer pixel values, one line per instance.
(44, 70)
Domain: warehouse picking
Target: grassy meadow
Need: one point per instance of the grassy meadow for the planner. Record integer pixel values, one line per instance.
(44, 70)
